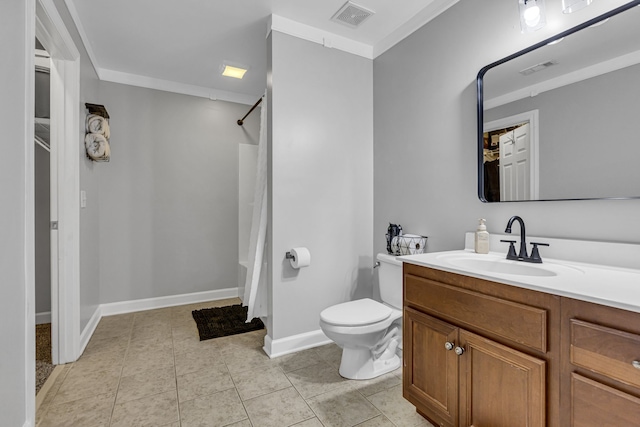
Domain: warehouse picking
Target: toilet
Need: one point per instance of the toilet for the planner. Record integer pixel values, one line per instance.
(369, 332)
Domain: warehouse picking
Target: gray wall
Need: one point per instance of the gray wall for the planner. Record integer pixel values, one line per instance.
(588, 141)
(168, 200)
(321, 157)
(89, 181)
(16, 259)
(42, 230)
(425, 134)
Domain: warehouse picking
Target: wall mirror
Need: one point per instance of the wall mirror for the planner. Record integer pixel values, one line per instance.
(560, 120)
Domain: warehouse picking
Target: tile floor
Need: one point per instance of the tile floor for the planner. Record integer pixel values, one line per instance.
(150, 369)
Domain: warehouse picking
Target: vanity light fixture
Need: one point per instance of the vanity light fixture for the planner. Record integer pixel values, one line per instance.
(570, 6)
(236, 71)
(532, 15)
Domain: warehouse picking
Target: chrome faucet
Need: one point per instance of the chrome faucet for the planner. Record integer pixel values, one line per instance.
(522, 255)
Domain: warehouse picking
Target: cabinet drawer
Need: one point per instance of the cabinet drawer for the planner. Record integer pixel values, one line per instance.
(597, 405)
(516, 322)
(607, 351)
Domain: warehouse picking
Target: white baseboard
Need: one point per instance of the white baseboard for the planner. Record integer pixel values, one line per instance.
(123, 307)
(294, 343)
(88, 330)
(44, 317)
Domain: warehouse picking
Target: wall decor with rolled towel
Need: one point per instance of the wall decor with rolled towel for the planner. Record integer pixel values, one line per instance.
(96, 139)
(299, 257)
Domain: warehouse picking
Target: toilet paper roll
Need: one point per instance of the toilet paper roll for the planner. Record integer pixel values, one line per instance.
(301, 257)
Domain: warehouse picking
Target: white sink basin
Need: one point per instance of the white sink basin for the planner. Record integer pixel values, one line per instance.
(492, 264)
(503, 267)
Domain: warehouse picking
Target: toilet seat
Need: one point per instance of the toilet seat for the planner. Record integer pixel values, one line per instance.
(361, 312)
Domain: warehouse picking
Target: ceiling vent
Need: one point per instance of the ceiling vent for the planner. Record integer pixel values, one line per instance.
(352, 14)
(537, 67)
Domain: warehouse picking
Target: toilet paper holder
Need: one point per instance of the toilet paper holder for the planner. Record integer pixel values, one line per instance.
(299, 257)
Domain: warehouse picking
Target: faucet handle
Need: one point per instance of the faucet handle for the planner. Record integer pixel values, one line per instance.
(511, 254)
(535, 255)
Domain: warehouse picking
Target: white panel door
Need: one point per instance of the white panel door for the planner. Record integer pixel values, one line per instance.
(515, 165)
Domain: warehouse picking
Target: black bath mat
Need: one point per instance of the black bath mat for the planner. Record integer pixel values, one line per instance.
(223, 321)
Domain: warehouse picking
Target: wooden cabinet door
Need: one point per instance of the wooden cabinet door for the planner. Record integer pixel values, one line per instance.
(430, 371)
(500, 386)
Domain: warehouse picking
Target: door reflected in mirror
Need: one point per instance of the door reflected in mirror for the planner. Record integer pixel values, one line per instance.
(509, 172)
(558, 121)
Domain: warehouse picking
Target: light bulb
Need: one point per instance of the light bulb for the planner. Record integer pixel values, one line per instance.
(532, 16)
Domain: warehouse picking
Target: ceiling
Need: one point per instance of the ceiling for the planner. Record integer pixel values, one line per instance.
(590, 52)
(179, 45)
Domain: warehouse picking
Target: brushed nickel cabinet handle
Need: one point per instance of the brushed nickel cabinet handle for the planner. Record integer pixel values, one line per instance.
(449, 345)
(459, 351)
(635, 364)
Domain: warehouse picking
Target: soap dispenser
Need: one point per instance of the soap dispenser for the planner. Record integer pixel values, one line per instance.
(482, 238)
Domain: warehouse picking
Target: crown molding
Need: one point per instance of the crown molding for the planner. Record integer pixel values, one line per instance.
(171, 86)
(277, 23)
(327, 39)
(150, 82)
(324, 38)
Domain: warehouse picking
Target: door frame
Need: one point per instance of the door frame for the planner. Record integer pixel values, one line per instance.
(65, 181)
(533, 118)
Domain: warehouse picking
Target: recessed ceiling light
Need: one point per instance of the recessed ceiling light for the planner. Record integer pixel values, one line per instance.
(235, 71)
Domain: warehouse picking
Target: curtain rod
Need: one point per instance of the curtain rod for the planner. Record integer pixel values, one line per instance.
(241, 121)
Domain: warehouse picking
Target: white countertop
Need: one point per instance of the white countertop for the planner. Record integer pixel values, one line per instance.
(611, 286)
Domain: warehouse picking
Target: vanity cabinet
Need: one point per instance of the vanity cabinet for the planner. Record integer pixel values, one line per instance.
(601, 365)
(479, 353)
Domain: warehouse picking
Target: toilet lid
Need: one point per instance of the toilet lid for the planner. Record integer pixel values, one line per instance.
(356, 313)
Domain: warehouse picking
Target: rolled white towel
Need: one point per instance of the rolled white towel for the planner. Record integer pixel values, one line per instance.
(97, 147)
(106, 129)
(107, 153)
(97, 124)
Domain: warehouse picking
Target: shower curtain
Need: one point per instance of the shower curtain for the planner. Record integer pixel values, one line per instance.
(255, 290)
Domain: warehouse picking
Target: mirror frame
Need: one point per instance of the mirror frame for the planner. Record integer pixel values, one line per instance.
(480, 91)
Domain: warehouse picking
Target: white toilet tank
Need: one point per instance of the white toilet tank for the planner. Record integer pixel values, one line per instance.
(390, 279)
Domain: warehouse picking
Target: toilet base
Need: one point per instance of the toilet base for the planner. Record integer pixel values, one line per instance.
(358, 364)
